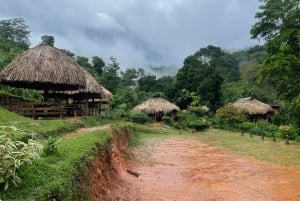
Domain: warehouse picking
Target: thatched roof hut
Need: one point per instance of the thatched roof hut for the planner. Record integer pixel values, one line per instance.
(92, 90)
(253, 106)
(43, 68)
(156, 105)
(106, 95)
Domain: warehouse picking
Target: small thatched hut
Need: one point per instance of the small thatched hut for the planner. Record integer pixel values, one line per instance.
(253, 107)
(43, 68)
(157, 107)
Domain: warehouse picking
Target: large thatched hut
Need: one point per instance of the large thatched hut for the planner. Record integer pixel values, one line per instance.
(92, 90)
(253, 107)
(44, 68)
(157, 107)
(87, 100)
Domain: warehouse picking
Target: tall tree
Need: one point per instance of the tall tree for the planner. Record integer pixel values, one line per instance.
(83, 61)
(14, 39)
(197, 76)
(47, 40)
(147, 83)
(14, 33)
(279, 25)
(111, 75)
(130, 77)
(224, 63)
(98, 64)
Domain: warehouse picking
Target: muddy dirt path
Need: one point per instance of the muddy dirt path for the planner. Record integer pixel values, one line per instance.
(185, 169)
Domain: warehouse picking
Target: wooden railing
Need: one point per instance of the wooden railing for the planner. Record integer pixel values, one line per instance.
(35, 109)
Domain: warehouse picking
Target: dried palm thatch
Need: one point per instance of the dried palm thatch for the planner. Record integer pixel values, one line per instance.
(253, 106)
(43, 68)
(156, 105)
(106, 95)
(91, 90)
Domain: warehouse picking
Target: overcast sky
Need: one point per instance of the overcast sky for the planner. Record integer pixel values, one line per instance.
(138, 33)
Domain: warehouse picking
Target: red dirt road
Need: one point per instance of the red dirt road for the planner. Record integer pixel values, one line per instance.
(185, 169)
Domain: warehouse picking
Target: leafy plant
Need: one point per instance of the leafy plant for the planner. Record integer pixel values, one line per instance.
(199, 124)
(230, 116)
(14, 155)
(52, 145)
(167, 119)
(138, 117)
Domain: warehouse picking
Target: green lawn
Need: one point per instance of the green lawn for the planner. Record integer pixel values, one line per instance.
(37, 128)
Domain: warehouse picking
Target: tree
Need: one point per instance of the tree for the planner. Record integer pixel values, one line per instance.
(166, 85)
(224, 63)
(130, 77)
(69, 53)
(98, 64)
(279, 25)
(147, 83)
(14, 33)
(47, 40)
(199, 77)
(111, 75)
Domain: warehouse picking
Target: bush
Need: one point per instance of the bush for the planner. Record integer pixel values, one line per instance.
(138, 117)
(199, 124)
(198, 111)
(246, 126)
(258, 130)
(14, 155)
(51, 146)
(184, 118)
(229, 116)
(167, 120)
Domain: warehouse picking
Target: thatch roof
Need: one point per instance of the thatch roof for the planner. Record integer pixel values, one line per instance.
(43, 68)
(92, 90)
(253, 106)
(156, 105)
(106, 95)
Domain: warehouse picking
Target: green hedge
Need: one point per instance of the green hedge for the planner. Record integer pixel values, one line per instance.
(198, 124)
(138, 117)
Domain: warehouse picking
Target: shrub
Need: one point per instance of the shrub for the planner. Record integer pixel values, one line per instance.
(51, 145)
(138, 117)
(246, 126)
(198, 124)
(167, 120)
(198, 111)
(230, 116)
(14, 155)
(184, 118)
(258, 130)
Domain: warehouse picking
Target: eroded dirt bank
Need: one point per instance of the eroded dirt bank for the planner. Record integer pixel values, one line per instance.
(181, 168)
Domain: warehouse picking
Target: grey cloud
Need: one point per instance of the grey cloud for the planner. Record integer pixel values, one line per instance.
(138, 33)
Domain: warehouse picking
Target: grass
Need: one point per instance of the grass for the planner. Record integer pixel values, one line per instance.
(52, 177)
(37, 128)
(266, 150)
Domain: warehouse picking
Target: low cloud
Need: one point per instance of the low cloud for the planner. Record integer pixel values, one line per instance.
(137, 33)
